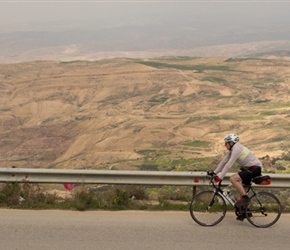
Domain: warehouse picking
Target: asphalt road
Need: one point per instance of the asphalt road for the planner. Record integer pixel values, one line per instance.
(92, 230)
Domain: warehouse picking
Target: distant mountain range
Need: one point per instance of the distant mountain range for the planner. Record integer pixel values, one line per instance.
(143, 41)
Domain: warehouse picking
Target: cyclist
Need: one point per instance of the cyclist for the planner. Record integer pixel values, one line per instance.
(250, 166)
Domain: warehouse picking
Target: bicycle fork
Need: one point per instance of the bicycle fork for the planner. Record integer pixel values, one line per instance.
(215, 196)
(211, 203)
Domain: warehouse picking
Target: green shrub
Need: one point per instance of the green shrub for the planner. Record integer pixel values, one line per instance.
(10, 194)
(120, 197)
(83, 198)
(26, 195)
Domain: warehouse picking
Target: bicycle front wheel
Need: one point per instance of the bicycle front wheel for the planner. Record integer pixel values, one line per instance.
(208, 208)
(264, 210)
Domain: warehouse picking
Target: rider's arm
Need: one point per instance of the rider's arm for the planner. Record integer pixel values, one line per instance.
(235, 153)
(222, 163)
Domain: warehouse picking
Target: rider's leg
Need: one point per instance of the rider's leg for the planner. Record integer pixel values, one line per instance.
(236, 180)
(244, 177)
(237, 183)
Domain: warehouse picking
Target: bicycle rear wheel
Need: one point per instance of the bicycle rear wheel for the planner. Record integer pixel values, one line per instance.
(208, 208)
(264, 210)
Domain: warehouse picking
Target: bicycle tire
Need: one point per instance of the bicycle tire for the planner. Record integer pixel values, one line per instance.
(208, 208)
(264, 210)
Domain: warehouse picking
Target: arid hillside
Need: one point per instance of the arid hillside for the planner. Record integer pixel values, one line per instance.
(165, 113)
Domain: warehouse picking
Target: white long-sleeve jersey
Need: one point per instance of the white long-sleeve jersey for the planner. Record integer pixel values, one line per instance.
(240, 154)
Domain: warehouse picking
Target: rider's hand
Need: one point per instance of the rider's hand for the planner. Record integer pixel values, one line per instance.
(217, 179)
(211, 173)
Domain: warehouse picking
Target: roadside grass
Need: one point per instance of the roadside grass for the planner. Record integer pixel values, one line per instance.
(86, 197)
(108, 197)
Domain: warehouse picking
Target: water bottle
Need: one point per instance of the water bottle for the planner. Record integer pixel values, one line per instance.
(228, 194)
(232, 197)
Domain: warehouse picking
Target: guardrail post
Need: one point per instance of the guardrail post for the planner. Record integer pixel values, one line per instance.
(193, 192)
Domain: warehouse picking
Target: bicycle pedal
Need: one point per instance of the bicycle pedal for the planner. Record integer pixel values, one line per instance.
(240, 218)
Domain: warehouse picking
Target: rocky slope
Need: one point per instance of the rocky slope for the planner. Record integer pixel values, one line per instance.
(126, 113)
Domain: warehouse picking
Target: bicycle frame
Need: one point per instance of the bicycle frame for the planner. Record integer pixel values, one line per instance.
(218, 190)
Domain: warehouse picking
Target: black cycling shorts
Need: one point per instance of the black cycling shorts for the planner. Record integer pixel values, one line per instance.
(248, 175)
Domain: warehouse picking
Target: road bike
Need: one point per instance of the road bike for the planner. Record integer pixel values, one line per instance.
(208, 208)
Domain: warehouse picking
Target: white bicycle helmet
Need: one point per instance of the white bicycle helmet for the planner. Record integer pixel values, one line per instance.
(231, 137)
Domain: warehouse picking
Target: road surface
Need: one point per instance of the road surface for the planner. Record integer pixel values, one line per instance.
(118, 230)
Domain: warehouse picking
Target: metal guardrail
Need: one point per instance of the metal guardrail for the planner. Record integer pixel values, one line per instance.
(121, 177)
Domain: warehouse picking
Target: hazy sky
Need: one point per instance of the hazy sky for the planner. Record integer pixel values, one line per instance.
(38, 27)
(24, 15)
